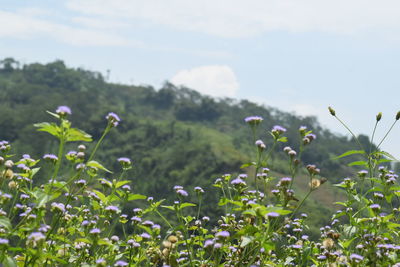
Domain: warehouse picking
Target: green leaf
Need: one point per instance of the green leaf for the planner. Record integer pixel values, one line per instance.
(223, 201)
(84, 240)
(5, 222)
(346, 244)
(248, 164)
(121, 183)
(97, 165)
(388, 198)
(356, 163)
(283, 139)
(42, 198)
(279, 210)
(350, 152)
(102, 197)
(341, 203)
(250, 212)
(246, 240)
(393, 226)
(34, 171)
(53, 114)
(168, 207)
(184, 205)
(9, 262)
(136, 196)
(386, 154)
(51, 128)
(75, 134)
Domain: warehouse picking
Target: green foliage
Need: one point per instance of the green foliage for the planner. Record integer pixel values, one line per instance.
(92, 225)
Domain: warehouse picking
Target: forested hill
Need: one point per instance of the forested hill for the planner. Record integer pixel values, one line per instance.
(173, 135)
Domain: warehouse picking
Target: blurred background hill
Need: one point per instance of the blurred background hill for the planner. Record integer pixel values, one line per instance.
(174, 136)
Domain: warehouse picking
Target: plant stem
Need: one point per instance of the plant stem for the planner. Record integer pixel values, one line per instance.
(354, 136)
(390, 129)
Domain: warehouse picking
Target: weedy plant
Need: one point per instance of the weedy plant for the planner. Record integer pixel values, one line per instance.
(78, 218)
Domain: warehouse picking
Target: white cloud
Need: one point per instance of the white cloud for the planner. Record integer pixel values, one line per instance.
(98, 23)
(237, 18)
(216, 80)
(25, 25)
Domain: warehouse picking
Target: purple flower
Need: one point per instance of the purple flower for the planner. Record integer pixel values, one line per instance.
(121, 263)
(145, 236)
(137, 210)
(114, 238)
(238, 182)
(4, 241)
(133, 243)
(112, 209)
(260, 144)
(182, 193)
(285, 181)
(208, 243)
(136, 219)
(58, 206)
(356, 257)
(321, 257)
(253, 120)
(50, 157)
(311, 136)
(272, 214)
(101, 262)
(222, 235)
(113, 119)
(375, 206)
(178, 187)
(36, 236)
(62, 110)
(148, 223)
(199, 190)
(124, 161)
(81, 182)
(80, 166)
(278, 129)
(217, 245)
(95, 231)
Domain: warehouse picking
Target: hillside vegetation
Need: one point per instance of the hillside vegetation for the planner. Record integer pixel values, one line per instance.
(173, 135)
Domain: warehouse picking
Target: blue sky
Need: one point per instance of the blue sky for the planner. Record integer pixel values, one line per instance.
(298, 55)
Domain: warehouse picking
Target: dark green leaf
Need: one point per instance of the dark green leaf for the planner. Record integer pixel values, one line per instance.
(350, 152)
(78, 135)
(97, 165)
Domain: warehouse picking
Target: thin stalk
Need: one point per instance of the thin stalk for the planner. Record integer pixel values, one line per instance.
(383, 139)
(60, 152)
(164, 219)
(99, 142)
(350, 131)
(372, 138)
(301, 203)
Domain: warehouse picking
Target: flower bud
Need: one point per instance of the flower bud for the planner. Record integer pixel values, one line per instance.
(9, 164)
(379, 116)
(332, 111)
(12, 185)
(398, 116)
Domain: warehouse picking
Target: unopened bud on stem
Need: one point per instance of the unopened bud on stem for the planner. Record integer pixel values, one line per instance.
(332, 111)
(379, 116)
(398, 116)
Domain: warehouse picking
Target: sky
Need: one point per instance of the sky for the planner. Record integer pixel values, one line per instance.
(300, 56)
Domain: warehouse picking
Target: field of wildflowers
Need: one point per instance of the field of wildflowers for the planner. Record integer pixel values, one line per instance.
(79, 218)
